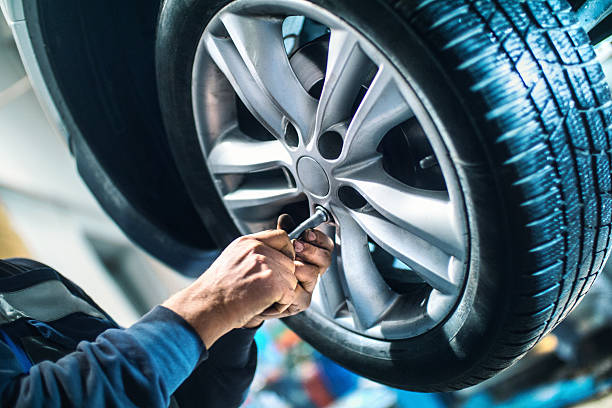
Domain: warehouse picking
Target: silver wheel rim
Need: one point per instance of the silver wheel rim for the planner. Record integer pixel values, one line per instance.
(242, 55)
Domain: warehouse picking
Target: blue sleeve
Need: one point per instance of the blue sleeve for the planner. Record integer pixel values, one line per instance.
(224, 378)
(139, 366)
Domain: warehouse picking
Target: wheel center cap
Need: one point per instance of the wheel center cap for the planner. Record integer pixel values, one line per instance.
(312, 176)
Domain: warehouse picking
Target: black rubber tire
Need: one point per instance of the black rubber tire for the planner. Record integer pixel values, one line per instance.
(525, 113)
(107, 101)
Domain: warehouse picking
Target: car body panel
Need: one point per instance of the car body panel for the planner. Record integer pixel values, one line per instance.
(14, 15)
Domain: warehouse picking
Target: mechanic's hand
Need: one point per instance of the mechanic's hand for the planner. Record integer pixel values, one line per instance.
(253, 273)
(313, 257)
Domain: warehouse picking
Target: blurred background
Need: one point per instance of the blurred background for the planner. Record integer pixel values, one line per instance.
(47, 213)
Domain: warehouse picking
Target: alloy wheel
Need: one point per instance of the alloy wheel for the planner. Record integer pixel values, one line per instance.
(347, 139)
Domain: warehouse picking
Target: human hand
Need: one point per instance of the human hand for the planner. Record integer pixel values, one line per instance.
(253, 273)
(313, 257)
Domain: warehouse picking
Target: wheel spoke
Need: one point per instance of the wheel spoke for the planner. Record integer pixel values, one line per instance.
(261, 197)
(370, 298)
(328, 295)
(438, 305)
(236, 153)
(347, 66)
(259, 40)
(225, 55)
(427, 214)
(428, 261)
(382, 108)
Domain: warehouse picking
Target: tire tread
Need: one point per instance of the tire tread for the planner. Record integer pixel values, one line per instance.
(554, 91)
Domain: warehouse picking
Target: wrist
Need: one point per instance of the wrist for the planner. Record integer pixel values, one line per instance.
(202, 313)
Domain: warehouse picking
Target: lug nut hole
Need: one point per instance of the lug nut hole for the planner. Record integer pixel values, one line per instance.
(330, 145)
(291, 135)
(351, 198)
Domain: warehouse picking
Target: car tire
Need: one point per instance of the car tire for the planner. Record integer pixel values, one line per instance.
(524, 112)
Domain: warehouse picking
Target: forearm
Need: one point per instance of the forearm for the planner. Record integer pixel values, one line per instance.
(142, 365)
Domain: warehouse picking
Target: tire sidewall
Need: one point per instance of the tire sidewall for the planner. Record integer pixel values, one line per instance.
(446, 354)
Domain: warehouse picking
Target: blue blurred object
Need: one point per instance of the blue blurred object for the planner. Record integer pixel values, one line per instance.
(268, 354)
(408, 399)
(377, 397)
(556, 395)
(338, 380)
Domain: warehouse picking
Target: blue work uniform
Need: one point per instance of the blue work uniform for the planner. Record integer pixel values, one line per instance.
(58, 348)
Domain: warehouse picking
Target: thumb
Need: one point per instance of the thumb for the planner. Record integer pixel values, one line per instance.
(285, 222)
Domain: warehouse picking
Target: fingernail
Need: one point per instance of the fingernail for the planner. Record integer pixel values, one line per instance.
(311, 236)
(299, 247)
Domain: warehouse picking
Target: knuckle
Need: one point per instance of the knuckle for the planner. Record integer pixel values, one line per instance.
(319, 236)
(311, 248)
(289, 294)
(266, 274)
(259, 260)
(282, 293)
(323, 255)
(307, 250)
(256, 247)
(242, 239)
(314, 271)
(310, 274)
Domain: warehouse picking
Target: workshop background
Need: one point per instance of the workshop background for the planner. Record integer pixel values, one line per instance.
(47, 213)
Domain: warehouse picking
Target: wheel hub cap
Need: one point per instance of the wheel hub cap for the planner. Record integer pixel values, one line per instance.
(312, 176)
